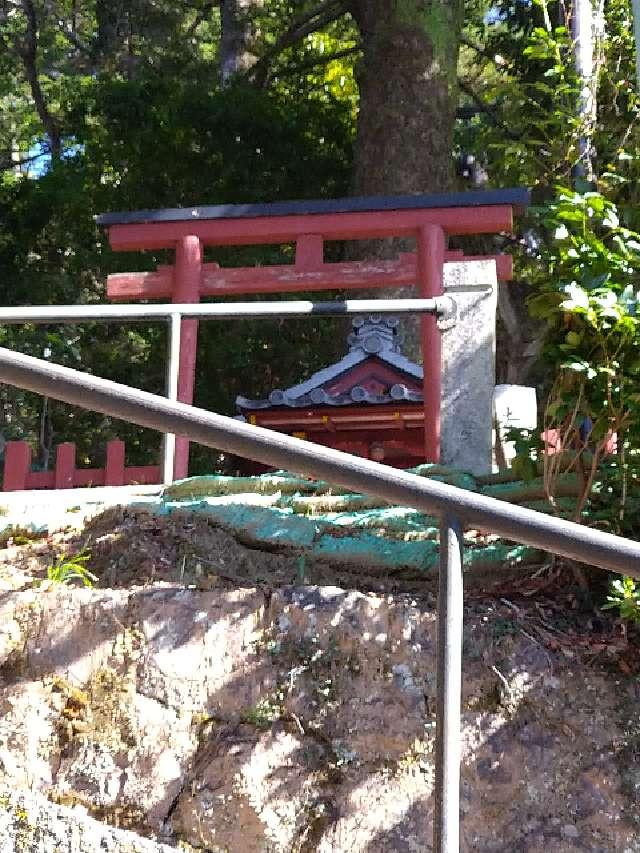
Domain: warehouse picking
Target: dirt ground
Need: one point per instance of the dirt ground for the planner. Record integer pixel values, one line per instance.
(127, 548)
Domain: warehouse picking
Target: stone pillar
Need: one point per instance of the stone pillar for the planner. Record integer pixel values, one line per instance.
(468, 367)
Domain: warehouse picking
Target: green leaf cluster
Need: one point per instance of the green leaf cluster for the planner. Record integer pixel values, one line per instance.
(624, 595)
(147, 125)
(67, 570)
(587, 293)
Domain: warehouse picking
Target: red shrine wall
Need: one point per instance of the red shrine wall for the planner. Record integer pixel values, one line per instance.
(392, 432)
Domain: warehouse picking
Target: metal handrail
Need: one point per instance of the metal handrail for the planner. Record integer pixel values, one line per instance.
(455, 507)
(444, 307)
(537, 529)
(221, 310)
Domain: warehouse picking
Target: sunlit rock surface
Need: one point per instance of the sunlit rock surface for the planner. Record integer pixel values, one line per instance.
(297, 719)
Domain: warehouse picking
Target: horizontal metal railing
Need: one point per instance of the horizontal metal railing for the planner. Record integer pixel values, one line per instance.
(456, 508)
(442, 306)
(135, 313)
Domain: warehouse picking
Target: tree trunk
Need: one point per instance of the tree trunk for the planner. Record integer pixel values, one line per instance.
(29, 53)
(582, 33)
(109, 22)
(238, 37)
(408, 95)
(519, 337)
(408, 101)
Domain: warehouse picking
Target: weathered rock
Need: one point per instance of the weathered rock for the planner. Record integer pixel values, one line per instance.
(29, 823)
(296, 720)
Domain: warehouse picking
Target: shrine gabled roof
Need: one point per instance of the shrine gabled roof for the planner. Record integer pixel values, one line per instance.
(518, 198)
(400, 393)
(347, 363)
(374, 339)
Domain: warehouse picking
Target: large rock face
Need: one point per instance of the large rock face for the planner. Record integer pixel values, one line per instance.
(298, 720)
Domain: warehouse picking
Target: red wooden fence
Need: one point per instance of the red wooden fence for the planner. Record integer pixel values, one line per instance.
(19, 476)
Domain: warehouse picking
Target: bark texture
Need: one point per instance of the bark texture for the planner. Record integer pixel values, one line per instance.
(408, 99)
(408, 93)
(110, 19)
(519, 338)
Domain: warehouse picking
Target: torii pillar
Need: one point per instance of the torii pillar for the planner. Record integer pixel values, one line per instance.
(430, 258)
(186, 289)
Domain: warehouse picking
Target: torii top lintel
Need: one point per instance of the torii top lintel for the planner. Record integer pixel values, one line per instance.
(477, 212)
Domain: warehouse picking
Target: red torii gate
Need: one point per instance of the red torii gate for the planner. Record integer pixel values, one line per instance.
(430, 219)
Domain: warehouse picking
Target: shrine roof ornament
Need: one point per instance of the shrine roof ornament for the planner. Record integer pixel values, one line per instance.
(374, 339)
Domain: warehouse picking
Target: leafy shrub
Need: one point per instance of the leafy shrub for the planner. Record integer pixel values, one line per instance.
(589, 297)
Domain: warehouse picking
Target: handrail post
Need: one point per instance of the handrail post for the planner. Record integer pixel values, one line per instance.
(173, 370)
(446, 823)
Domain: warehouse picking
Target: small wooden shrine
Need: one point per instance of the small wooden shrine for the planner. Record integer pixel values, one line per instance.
(369, 403)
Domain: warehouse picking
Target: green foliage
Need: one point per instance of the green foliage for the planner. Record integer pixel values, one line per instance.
(624, 595)
(16, 534)
(587, 292)
(527, 446)
(529, 136)
(67, 570)
(135, 94)
(590, 297)
(268, 710)
(147, 141)
(524, 74)
(580, 258)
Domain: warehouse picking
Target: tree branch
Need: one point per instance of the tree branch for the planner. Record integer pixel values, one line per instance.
(74, 39)
(479, 49)
(29, 53)
(7, 161)
(463, 113)
(305, 24)
(468, 89)
(481, 106)
(317, 61)
(69, 32)
(201, 15)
